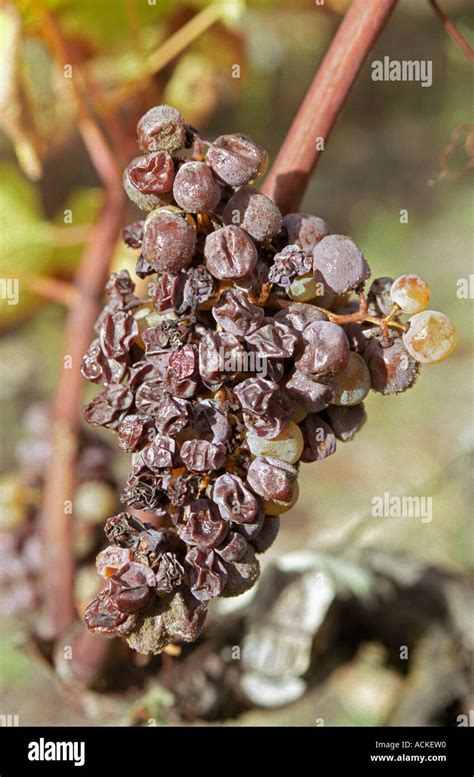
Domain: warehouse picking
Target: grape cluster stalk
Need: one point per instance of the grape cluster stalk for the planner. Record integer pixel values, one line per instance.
(253, 351)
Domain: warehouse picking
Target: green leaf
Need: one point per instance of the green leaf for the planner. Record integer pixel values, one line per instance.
(26, 237)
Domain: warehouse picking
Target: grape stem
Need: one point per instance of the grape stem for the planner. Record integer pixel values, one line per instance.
(358, 316)
(289, 176)
(362, 315)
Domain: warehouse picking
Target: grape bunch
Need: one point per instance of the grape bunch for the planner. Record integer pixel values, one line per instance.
(253, 351)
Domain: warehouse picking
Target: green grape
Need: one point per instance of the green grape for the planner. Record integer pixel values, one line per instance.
(352, 384)
(286, 446)
(411, 293)
(431, 337)
(303, 288)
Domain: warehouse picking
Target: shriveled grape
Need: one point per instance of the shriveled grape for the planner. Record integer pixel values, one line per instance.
(168, 241)
(235, 314)
(324, 349)
(311, 394)
(338, 263)
(195, 189)
(272, 479)
(392, 368)
(254, 212)
(230, 253)
(161, 128)
(305, 230)
(236, 159)
(148, 178)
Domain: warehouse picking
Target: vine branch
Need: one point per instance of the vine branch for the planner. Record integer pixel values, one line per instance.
(453, 32)
(57, 526)
(60, 471)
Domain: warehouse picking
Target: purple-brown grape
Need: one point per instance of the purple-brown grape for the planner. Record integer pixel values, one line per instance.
(338, 263)
(379, 296)
(236, 159)
(148, 178)
(230, 253)
(391, 367)
(161, 129)
(195, 189)
(168, 241)
(324, 350)
(255, 213)
(319, 439)
(305, 230)
(272, 479)
(346, 421)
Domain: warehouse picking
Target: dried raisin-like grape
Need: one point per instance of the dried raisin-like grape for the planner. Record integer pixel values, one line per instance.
(236, 314)
(339, 264)
(236, 159)
(324, 349)
(202, 456)
(234, 501)
(168, 241)
(207, 574)
(195, 189)
(147, 178)
(255, 213)
(230, 253)
(163, 128)
(305, 230)
(272, 479)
